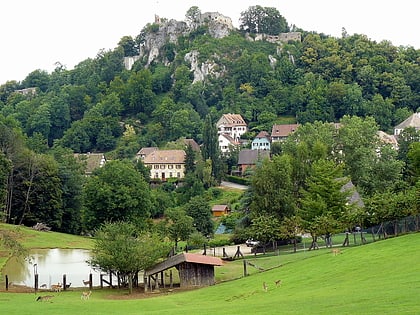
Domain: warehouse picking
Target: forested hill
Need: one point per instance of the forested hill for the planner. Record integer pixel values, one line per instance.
(185, 70)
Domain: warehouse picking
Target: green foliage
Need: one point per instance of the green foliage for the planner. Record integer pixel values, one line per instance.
(120, 248)
(116, 192)
(200, 211)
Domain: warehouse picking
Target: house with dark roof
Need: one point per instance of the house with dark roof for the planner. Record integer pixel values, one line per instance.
(166, 164)
(262, 141)
(248, 159)
(281, 132)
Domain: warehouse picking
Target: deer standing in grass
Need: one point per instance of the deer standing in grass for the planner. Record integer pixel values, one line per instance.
(265, 287)
(336, 251)
(85, 295)
(56, 287)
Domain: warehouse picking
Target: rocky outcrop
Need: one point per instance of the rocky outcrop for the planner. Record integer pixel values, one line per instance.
(218, 25)
(203, 70)
(154, 41)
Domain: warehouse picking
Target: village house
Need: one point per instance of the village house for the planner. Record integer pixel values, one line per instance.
(145, 152)
(166, 164)
(262, 141)
(412, 121)
(248, 159)
(230, 128)
(281, 132)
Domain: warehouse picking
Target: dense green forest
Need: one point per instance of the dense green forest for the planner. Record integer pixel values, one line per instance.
(100, 106)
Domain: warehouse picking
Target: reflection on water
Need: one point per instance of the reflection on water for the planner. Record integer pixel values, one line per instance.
(51, 265)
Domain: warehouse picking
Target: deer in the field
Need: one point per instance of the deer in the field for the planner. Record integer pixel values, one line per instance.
(85, 295)
(45, 298)
(265, 287)
(56, 287)
(336, 251)
(277, 282)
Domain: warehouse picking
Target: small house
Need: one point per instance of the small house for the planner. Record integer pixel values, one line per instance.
(412, 121)
(220, 210)
(248, 159)
(281, 132)
(262, 141)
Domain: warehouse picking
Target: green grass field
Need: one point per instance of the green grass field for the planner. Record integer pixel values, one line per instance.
(377, 278)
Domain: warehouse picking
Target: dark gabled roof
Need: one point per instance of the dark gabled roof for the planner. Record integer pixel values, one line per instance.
(184, 257)
(250, 157)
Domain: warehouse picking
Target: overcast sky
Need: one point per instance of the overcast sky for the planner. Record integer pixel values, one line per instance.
(35, 34)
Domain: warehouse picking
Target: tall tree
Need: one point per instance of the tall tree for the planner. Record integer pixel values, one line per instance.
(200, 211)
(116, 192)
(210, 149)
(267, 20)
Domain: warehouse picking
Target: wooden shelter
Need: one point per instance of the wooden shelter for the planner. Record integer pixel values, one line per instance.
(194, 270)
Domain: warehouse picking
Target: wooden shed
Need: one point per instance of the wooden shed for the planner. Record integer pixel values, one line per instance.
(194, 270)
(220, 210)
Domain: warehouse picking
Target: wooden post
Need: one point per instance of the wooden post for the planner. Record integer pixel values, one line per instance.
(245, 272)
(64, 282)
(224, 253)
(7, 283)
(205, 250)
(145, 283)
(90, 282)
(101, 279)
(162, 279)
(36, 283)
(171, 280)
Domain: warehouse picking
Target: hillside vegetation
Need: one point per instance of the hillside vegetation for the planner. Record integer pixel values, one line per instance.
(379, 278)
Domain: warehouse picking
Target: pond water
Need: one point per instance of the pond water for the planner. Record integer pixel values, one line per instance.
(51, 265)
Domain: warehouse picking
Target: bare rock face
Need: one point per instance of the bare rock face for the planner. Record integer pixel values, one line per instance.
(154, 41)
(203, 70)
(219, 26)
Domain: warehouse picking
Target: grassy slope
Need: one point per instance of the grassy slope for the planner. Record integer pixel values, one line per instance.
(378, 278)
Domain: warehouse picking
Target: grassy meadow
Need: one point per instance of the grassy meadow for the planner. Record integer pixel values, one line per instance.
(377, 278)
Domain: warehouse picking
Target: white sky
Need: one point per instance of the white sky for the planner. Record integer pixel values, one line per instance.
(34, 34)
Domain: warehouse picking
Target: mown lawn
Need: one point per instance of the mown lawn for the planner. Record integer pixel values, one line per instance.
(377, 278)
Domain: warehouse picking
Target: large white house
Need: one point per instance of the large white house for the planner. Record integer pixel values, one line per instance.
(166, 164)
(230, 128)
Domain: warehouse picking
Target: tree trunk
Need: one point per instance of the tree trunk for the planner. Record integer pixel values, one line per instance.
(130, 283)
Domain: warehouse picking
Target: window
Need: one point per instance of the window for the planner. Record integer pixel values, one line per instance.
(156, 175)
(162, 166)
(170, 166)
(155, 166)
(178, 167)
(178, 174)
(170, 174)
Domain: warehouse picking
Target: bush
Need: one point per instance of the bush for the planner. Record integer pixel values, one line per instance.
(238, 180)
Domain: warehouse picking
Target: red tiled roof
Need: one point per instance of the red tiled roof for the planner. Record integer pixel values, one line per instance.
(283, 130)
(219, 208)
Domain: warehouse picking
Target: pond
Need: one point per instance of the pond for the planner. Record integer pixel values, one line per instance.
(51, 265)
